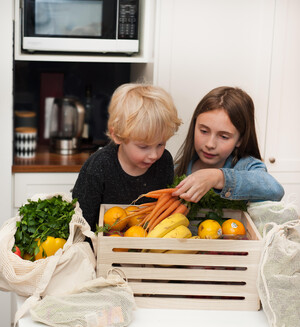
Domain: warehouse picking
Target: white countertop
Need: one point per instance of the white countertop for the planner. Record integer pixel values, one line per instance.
(179, 318)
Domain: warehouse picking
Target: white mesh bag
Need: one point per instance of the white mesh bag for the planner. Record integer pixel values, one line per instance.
(35, 279)
(97, 303)
(279, 274)
(265, 212)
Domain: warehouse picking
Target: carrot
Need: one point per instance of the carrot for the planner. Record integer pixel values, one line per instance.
(144, 220)
(156, 194)
(141, 211)
(163, 199)
(186, 211)
(146, 204)
(182, 208)
(166, 213)
(160, 192)
(161, 210)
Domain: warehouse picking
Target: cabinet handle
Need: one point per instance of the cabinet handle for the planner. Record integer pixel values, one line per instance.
(272, 160)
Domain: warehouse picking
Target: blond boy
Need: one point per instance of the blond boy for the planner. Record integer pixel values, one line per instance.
(142, 118)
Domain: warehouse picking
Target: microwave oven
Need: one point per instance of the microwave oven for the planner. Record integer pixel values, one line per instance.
(104, 26)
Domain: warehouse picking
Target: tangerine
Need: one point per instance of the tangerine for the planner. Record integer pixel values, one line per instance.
(209, 229)
(133, 221)
(233, 227)
(115, 217)
(118, 249)
(135, 231)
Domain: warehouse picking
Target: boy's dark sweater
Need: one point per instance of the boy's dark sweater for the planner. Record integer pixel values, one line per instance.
(102, 180)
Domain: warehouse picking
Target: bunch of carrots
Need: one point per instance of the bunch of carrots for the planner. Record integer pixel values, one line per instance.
(152, 213)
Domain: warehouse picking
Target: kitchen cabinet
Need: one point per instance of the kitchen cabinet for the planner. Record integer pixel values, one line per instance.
(250, 44)
(282, 153)
(26, 185)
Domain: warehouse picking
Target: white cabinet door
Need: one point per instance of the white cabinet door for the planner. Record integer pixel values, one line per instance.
(28, 184)
(203, 44)
(282, 153)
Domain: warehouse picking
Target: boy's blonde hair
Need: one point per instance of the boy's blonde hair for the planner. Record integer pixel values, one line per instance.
(142, 112)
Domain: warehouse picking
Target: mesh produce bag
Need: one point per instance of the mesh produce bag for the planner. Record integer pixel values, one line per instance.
(265, 212)
(97, 303)
(54, 275)
(279, 274)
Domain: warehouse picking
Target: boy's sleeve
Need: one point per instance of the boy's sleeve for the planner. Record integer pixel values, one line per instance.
(87, 190)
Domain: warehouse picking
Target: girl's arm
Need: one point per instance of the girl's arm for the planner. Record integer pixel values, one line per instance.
(248, 180)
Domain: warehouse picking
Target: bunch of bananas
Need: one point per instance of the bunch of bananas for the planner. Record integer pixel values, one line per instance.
(174, 226)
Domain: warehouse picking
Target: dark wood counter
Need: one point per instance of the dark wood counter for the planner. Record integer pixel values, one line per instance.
(45, 162)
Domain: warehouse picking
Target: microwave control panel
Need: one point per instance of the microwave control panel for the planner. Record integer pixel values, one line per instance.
(128, 19)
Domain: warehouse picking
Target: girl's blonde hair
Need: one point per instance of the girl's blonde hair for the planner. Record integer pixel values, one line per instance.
(142, 112)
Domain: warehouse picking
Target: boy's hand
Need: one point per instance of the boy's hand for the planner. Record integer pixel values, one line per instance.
(196, 185)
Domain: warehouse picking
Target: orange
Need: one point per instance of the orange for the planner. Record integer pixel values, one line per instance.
(135, 231)
(233, 227)
(118, 249)
(115, 217)
(209, 229)
(133, 221)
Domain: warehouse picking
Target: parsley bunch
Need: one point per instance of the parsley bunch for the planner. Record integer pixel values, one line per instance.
(40, 219)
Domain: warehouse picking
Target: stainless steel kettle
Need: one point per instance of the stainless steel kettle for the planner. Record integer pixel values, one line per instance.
(66, 125)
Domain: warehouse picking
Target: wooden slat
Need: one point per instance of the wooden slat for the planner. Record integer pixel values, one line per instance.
(162, 274)
(192, 289)
(179, 259)
(197, 304)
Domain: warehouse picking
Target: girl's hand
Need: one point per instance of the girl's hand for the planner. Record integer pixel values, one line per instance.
(196, 185)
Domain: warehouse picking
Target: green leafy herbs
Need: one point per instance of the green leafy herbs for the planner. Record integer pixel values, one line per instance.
(42, 218)
(212, 203)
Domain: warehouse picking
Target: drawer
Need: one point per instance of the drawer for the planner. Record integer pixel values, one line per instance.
(28, 184)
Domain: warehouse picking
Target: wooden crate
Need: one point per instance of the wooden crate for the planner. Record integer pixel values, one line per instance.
(221, 276)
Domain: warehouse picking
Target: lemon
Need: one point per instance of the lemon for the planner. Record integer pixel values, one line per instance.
(209, 229)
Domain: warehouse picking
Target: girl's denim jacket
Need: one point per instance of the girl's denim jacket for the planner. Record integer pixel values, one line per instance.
(248, 180)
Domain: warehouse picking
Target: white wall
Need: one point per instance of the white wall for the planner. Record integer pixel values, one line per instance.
(6, 56)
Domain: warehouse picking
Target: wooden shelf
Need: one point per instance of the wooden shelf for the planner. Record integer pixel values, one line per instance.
(45, 161)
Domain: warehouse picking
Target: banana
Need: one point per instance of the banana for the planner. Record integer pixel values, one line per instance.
(180, 231)
(168, 224)
(184, 251)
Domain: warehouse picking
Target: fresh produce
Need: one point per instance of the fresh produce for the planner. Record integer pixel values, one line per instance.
(49, 247)
(168, 224)
(40, 219)
(135, 220)
(116, 218)
(155, 212)
(17, 251)
(209, 229)
(135, 231)
(233, 227)
(180, 231)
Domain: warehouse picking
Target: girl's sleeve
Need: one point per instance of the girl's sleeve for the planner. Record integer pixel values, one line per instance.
(250, 182)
